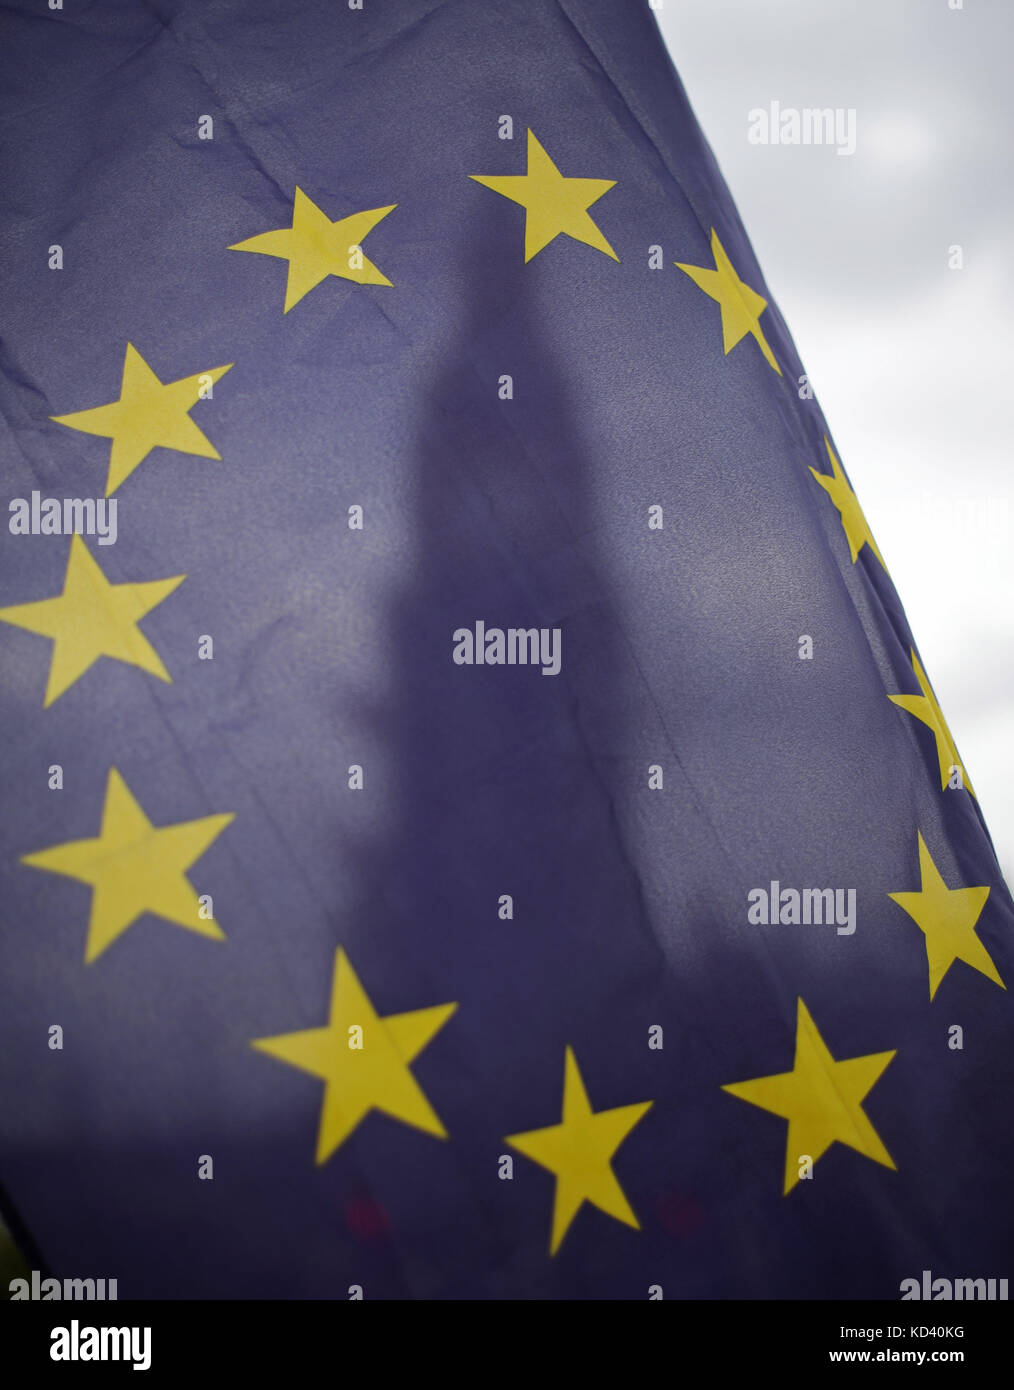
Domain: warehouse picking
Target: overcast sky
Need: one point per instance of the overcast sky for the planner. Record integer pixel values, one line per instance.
(912, 362)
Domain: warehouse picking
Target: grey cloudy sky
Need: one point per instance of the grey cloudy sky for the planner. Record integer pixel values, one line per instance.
(911, 361)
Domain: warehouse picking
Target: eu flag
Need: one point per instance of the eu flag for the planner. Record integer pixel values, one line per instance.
(475, 820)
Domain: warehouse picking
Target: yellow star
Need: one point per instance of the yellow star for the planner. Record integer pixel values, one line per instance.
(820, 1098)
(553, 205)
(150, 414)
(93, 618)
(579, 1151)
(926, 709)
(315, 247)
(135, 867)
(947, 918)
(741, 306)
(363, 1060)
(857, 532)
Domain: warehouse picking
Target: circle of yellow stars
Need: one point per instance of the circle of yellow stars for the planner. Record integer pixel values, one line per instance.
(364, 1059)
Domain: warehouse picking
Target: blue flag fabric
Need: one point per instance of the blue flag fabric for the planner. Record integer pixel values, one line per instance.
(533, 657)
